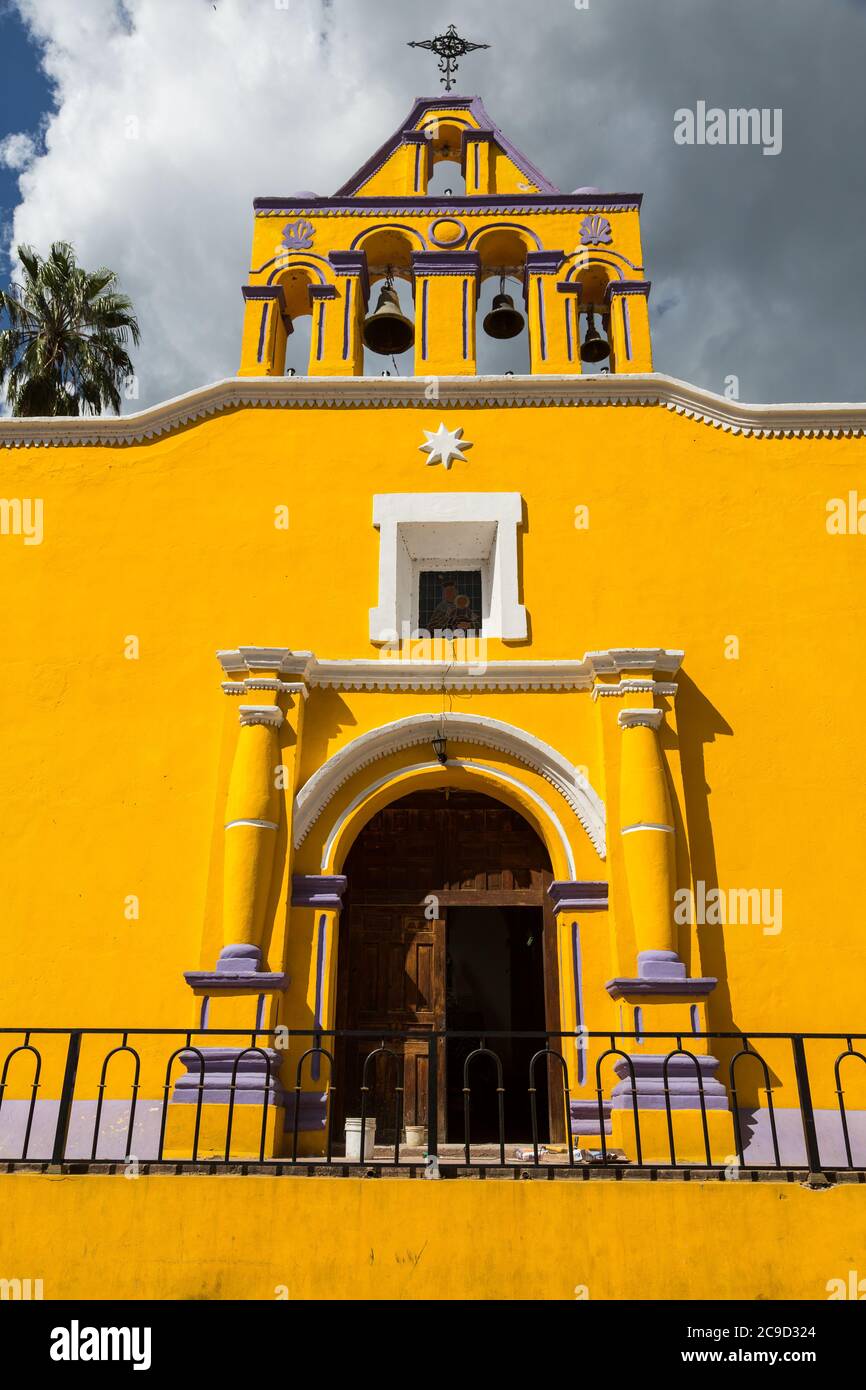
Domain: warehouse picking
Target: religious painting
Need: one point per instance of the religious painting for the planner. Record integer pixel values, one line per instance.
(450, 601)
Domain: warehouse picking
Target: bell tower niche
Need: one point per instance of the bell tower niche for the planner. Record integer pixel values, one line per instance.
(387, 269)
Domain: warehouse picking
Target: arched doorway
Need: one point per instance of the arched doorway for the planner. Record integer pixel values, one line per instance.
(447, 924)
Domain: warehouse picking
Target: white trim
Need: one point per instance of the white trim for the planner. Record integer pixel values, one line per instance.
(416, 729)
(259, 824)
(487, 521)
(826, 420)
(458, 763)
(646, 825)
(249, 715)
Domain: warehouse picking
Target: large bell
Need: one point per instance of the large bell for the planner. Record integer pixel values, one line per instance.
(503, 321)
(594, 347)
(387, 330)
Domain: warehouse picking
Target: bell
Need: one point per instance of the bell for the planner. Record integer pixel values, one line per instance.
(503, 321)
(594, 347)
(387, 330)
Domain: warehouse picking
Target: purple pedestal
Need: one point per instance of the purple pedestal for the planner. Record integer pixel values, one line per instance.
(683, 1084)
(257, 1073)
(237, 968)
(584, 1116)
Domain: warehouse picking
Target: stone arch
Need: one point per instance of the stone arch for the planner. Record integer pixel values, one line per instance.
(418, 730)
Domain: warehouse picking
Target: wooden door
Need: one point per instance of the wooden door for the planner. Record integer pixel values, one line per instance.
(392, 968)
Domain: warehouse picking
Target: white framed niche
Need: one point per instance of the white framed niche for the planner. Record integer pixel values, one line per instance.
(448, 531)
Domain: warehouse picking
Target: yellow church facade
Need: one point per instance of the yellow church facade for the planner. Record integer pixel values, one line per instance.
(472, 760)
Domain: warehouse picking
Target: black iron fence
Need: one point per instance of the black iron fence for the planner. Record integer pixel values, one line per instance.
(439, 1101)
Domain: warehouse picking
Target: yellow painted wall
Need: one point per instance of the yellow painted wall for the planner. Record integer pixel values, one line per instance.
(263, 1238)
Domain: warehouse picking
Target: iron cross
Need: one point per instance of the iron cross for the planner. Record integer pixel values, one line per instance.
(448, 47)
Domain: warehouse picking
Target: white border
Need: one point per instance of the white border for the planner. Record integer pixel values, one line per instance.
(639, 389)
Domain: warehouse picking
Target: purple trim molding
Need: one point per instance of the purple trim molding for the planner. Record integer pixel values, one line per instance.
(469, 203)
(542, 325)
(312, 1112)
(626, 326)
(446, 263)
(322, 292)
(262, 326)
(465, 320)
(692, 988)
(584, 1116)
(352, 263)
(385, 227)
(266, 292)
(258, 1074)
(323, 891)
(579, 895)
(446, 245)
(543, 262)
(425, 285)
(577, 966)
(507, 226)
(682, 1082)
(627, 287)
(570, 287)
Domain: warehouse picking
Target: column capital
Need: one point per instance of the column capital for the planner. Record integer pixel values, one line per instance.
(322, 891)
(581, 895)
(640, 718)
(261, 661)
(627, 287)
(270, 715)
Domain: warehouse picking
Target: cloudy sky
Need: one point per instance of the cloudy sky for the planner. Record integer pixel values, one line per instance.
(141, 130)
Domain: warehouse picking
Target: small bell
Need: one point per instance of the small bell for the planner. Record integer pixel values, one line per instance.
(387, 331)
(503, 321)
(594, 347)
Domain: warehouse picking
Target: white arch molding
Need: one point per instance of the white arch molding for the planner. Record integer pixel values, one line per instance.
(416, 729)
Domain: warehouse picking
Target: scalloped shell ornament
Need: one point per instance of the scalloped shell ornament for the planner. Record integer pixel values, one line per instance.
(298, 235)
(595, 230)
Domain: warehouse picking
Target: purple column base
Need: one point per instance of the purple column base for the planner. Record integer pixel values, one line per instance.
(584, 1116)
(312, 1112)
(251, 1082)
(682, 1083)
(237, 967)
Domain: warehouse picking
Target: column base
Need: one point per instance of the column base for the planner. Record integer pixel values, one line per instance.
(259, 1099)
(237, 968)
(685, 1103)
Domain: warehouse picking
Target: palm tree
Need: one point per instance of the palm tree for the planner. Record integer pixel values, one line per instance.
(63, 352)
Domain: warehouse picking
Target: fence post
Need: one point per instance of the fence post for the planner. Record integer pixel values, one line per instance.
(433, 1095)
(64, 1113)
(817, 1178)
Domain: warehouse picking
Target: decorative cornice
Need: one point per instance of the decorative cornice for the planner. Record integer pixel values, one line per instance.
(417, 729)
(353, 392)
(321, 891)
(261, 659)
(636, 687)
(489, 675)
(481, 204)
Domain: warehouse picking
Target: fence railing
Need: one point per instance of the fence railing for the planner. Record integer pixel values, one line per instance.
(436, 1099)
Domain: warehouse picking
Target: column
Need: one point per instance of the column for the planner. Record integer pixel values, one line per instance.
(241, 993)
(266, 328)
(629, 325)
(479, 162)
(660, 997)
(327, 306)
(353, 282)
(446, 296)
(548, 347)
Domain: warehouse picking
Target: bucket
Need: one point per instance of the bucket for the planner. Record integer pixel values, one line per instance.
(353, 1137)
